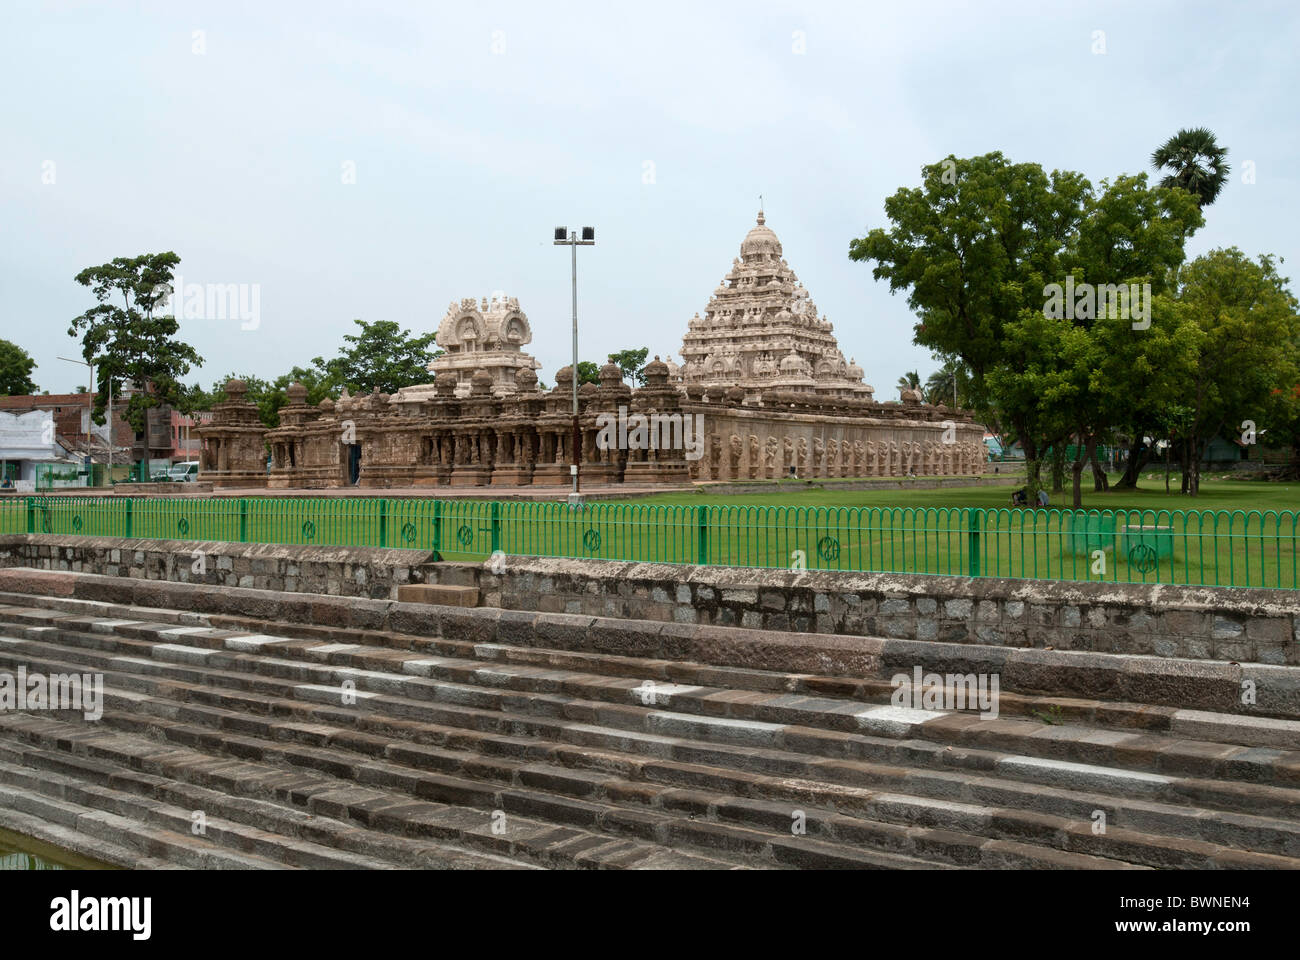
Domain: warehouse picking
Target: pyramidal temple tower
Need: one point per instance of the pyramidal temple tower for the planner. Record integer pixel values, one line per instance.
(760, 331)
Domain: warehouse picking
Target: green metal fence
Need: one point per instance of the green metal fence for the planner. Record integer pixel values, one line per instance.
(1204, 548)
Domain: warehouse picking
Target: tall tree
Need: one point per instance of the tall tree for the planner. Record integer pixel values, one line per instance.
(15, 370)
(132, 343)
(1237, 329)
(382, 355)
(979, 246)
(974, 246)
(1195, 162)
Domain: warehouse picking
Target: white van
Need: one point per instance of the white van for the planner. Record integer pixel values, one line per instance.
(185, 472)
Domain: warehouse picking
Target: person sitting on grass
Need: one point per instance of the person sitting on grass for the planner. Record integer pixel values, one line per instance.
(1042, 498)
(1020, 498)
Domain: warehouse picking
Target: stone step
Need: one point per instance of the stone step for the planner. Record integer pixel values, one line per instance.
(462, 660)
(831, 848)
(756, 720)
(109, 756)
(706, 770)
(100, 825)
(268, 830)
(438, 593)
(558, 779)
(1143, 679)
(1279, 686)
(106, 852)
(1071, 776)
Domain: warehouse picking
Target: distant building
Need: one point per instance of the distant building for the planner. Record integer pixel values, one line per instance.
(71, 418)
(185, 444)
(28, 441)
(164, 440)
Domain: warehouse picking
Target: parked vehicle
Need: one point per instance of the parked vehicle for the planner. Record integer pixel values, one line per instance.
(186, 472)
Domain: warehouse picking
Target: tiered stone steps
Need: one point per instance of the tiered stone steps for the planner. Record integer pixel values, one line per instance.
(466, 754)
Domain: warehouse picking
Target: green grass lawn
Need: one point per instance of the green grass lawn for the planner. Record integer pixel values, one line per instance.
(1240, 533)
(1215, 494)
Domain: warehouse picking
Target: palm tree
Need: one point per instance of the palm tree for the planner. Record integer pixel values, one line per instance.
(941, 386)
(910, 381)
(1198, 164)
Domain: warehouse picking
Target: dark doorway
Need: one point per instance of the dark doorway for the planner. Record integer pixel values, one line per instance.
(354, 463)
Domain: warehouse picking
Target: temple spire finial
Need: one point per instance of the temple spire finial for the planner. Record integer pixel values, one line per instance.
(761, 219)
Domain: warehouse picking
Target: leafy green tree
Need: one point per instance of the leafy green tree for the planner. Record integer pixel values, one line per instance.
(632, 363)
(979, 246)
(382, 355)
(974, 247)
(271, 395)
(1196, 163)
(1236, 329)
(193, 397)
(15, 370)
(131, 343)
(588, 372)
(1285, 410)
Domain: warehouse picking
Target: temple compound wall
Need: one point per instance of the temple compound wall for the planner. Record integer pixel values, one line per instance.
(526, 437)
(795, 435)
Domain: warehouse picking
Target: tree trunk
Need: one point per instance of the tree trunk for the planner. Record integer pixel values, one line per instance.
(1139, 455)
(1058, 468)
(1033, 466)
(1100, 482)
(1077, 470)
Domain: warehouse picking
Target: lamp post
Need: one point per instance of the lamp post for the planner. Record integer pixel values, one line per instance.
(90, 409)
(564, 237)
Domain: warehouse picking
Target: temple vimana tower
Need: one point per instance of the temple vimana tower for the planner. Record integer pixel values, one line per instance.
(760, 331)
(763, 388)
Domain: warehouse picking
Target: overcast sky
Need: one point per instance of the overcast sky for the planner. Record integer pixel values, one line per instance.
(225, 131)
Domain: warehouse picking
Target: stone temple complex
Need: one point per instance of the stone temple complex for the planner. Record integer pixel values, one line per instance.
(763, 393)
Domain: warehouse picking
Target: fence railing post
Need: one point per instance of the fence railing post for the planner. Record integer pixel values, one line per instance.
(702, 546)
(437, 529)
(243, 521)
(496, 526)
(31, 514)
(383, 522)
(973, 544)
(130, 506)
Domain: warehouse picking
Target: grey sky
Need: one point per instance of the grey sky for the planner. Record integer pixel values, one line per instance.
(466, 158)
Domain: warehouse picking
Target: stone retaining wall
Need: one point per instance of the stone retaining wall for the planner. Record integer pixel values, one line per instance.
(334, 571)
(1202, 623)
(1245, 625)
